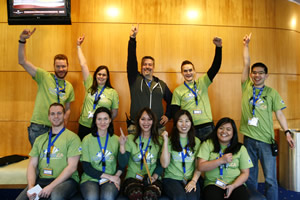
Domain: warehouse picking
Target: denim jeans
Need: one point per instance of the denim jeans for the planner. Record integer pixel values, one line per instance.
(258, 150)
(64, 190)
(203, 133)
(93, 191)
(174, 189)
(35, 130)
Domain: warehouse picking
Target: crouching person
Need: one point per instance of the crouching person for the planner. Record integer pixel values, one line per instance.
(53, 160)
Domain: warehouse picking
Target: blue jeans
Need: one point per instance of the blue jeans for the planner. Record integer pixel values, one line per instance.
(174, 189)
(91, 190)
(262, 151)
(204, 132)
(35, 130)
(64, 190)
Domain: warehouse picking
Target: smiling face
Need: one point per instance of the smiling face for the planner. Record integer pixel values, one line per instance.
(102, 121)
(258, 76)
(56, 116)
(101, 77)
(188, 73)
(225, 133)
(145, 122)
(147, 68)
(60, 68)
(183, 124)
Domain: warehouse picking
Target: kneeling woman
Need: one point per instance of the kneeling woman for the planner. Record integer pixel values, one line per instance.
(101, 178)
(225, 162)
(180, 159)
(141, 152)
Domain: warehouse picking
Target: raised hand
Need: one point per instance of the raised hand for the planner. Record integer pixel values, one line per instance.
(80, 40)
(26, 34)
(217, 41)
(165, 135)
(246, 39)
(122, 138)
(227, 158)
(134, 30)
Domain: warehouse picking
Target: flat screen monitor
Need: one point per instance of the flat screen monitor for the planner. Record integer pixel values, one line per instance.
(38, 12)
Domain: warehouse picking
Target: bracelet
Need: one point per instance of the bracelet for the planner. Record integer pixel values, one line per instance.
(287, 131)
(22, 42)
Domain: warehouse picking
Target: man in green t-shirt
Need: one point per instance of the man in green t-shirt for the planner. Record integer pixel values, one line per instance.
(51, 88)
(258, 104)
(53, 160)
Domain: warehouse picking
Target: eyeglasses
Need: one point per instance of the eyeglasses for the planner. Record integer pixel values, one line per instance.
(259, 73)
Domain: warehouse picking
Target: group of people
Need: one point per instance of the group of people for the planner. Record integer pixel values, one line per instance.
(157, 162)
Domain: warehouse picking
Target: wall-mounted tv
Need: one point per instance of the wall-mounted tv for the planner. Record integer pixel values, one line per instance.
(38, 12)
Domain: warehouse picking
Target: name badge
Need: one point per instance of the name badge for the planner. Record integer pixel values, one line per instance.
(103, 180)
(91, 115)
(48, 172)
(253, 121)
(197, 112)
(139, 177)
(220, 183)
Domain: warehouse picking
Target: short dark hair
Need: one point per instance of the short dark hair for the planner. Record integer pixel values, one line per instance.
(94, 87)
(260, 64)
(56, 104)
(148, 57)
(175, 136)
(187, 62)
(234, 143)
(61, 57)
(94, 127)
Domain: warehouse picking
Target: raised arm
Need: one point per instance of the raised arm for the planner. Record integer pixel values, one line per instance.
(165, 155)
(64, 175)
(215, 67)
(82, 60)
(67, 113)
(246, 56)
(29, 67)
(205, 165)
(132, 65)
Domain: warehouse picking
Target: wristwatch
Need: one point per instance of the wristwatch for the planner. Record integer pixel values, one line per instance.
(287, 131)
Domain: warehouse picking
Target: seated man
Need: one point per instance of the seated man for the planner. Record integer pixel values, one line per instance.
(55, 156)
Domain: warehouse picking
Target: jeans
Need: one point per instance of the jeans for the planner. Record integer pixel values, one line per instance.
(91, 190)
(204, 132)
(262, 151)
(64, 190)
(174, 189)
(35, 130)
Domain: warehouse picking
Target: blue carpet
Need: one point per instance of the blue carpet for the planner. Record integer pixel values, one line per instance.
(283, 193)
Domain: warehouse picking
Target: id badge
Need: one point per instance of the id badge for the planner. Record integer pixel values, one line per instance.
(103, 180)
(253, 121)
(48, 172)
(220, 183)
(197, 112)
(90, 115)
(139, 177)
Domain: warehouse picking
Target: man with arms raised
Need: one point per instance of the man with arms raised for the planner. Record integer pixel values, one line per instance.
(51, 88)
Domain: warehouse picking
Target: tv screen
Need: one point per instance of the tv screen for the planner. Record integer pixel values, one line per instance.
(31, 12)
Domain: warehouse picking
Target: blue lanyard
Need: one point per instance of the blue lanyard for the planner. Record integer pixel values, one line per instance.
(255, 98)
(194, 92)
(97, 97)
(59, 89)
(103, 150)
(148, 83)
(50, 144)
(141, 150)
(183, 156)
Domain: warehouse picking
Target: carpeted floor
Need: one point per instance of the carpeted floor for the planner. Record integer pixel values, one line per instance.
(11, 194)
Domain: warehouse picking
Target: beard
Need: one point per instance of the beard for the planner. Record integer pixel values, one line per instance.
(61, 77)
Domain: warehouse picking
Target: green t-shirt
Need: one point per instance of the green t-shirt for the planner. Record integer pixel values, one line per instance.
(269, 102)
(134, 163)
(46, 95)
(91, 153)
(240, 160)
(109, 99)
(175, 169)
(67, 145)
(184, 98)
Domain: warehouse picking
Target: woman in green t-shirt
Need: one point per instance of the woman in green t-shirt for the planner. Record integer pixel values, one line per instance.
(141, 152)
(225, 162)
(98, 92)
(100, 148)
(180, 159)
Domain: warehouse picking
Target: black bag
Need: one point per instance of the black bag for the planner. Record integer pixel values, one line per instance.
(11, 159)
